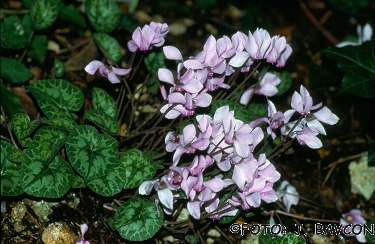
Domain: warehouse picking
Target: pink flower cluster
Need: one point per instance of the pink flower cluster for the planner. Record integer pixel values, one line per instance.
(306, 129)
(310, 126)
(149, 36)
(224, 142)
(219, 58)
(95, 65)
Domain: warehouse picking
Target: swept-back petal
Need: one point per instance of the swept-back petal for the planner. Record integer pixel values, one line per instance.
(172, 53)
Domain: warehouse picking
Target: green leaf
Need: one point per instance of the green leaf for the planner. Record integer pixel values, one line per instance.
(71, 14)
(10, 173)
(154, 61)
(257, 110)
(240, 111)
(137, 219)
(10, 102)
(370, 237)
(286, 81)
(64, 124)
(139, 168)
(56, 97)
(192, 239)
(153, 85)
(351, 7)
(38, 47)
(59, 67)
(183, 124)
(49, 141)
(78, 182)
(90, 153)
(41, 178)
(358, 65)
(109, 46)
(371, 151)
(132, 5)
(104, 15)
(206, 3)
(15, 155)
(13, 33)
(127, 23)
(27, 142)
(287, 239)
(26, 23)
(253, 112)
(14, 71)
(110, 184)
(102, 101)
(44, 13)
(103, 120)
(21, 125)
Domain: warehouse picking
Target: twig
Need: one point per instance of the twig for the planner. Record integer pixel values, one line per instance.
(223, 234)
(341, 160)
(9, 130)
(307, 218)
(317, 24)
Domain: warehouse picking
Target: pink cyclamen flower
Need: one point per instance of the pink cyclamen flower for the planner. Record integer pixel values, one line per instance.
(290, 197)
(267, 87)
(149, 36)
(351, 219)
(95, 65)
(82, 240)
(164, 191)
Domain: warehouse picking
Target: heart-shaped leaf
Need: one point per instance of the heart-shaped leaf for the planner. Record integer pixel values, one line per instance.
(13, 33)
(9, 101)
(49, 141)
(64, 124)
(272, 239)
(44, 13)
(254, 111)
(110, 184)
(38, 47)
(139, 168)
(14, 71)
(90, 153)
(358, 65)
(56, 97)
(286, 81)
(257, 110)
(59, 67)
(137, 219)
(103, 120)
(78, 182)
(15, 155)
(109, 46)
(154, 61)
(41, 178)
(71, 14)
(102, 101)
(10, 173)
(22, 126)
(104, 15)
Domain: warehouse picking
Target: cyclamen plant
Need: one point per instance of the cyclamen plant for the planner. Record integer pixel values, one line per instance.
(215, 140)
(225, 157)
(221, 149)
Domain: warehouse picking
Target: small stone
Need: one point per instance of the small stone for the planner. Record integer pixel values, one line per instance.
(213, 233)
(210, 240)
(184, 215)
(58, 233)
